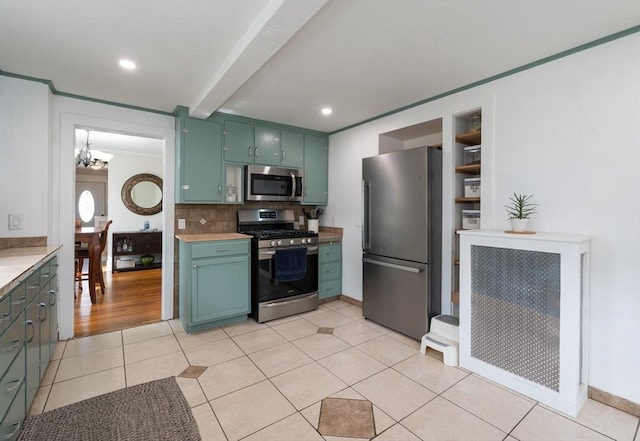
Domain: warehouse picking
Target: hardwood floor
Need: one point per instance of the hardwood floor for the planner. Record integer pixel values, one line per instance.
(130, 299)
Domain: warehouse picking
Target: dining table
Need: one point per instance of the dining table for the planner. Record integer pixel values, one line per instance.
(91, 236)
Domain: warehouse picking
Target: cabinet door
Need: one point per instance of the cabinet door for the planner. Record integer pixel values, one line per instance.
(292, 149)
(201, 162)
(267, 142)
(316, 165)
(238, 142)
(33, 348)
(220, 288)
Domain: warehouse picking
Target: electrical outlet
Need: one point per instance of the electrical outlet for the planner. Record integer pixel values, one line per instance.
(16, 221)
(182, 224)
(358, 222)
(300, 220)
(333, 221)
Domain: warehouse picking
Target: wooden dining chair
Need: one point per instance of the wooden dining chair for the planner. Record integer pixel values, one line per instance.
(83, 253)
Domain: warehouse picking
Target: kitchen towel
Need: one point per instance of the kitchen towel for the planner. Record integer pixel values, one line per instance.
(291, 264)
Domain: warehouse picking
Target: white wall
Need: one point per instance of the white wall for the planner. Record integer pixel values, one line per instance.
(25, 132)
(565, 131)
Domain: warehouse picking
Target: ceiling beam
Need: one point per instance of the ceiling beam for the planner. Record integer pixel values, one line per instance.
(276, 24)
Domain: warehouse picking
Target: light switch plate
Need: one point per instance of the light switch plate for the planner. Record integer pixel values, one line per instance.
(182, 224)
(16, 221)
(300, 220)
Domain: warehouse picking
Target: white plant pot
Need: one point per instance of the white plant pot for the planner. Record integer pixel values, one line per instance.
(519, 225)
(313, 225)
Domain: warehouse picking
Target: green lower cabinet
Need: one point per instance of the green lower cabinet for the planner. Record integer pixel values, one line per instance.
(329, 269)
(214, 283)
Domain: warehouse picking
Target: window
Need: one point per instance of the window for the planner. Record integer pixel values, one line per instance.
(86, 206)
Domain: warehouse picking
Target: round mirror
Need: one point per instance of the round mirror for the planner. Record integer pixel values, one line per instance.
(142, 194)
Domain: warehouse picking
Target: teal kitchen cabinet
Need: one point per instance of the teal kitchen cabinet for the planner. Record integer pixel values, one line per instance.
(316, 170)
(329, 269)
(199, 167)
(292, 155)
(28, 333)
(267, 146)
(214, 283)
(238, 141)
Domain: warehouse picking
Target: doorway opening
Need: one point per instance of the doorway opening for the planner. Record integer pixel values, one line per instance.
(132, 296)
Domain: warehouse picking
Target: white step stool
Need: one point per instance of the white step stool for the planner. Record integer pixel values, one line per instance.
(443, 336)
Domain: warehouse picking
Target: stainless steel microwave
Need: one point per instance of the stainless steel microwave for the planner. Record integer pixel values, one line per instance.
(265, 183)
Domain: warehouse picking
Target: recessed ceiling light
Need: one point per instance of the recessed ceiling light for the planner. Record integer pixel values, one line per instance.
(326, 111)
(127, 64)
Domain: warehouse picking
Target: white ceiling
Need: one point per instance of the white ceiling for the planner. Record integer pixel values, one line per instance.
(282, 60)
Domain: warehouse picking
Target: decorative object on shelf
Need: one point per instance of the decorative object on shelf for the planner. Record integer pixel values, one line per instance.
(142, 194)
(86, 158)
(147, 259)
(519, 211)
(475, 123)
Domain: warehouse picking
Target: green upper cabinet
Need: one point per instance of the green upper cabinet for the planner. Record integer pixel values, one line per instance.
(292, 155)
(238, 142)
(316, 166)
(199, 177)
(267, 146)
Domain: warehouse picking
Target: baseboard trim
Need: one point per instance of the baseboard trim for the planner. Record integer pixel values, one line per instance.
(351, 300)
(614, 401)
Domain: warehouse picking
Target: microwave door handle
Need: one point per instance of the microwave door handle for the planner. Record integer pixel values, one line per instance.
(293, 186)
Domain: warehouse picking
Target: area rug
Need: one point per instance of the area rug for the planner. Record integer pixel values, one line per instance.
(150, 411)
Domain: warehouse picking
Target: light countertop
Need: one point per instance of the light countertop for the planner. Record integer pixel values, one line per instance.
(206, 237)
(16, 262)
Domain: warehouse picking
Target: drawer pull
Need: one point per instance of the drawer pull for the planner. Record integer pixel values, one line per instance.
(20, 301)
(33, 332)
(52, 298)
(34, 286)
(10, 435)
(43, 307)
(13, 344)
(13, 385)
(6, 316)
(221, 250)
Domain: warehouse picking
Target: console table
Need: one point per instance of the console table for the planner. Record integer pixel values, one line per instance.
(129, 246)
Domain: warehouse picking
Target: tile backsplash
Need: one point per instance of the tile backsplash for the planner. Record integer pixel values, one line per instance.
(223, 218)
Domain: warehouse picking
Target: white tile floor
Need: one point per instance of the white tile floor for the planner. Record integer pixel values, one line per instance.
(266, 381)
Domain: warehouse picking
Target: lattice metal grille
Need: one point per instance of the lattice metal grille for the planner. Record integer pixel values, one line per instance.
(515, 312)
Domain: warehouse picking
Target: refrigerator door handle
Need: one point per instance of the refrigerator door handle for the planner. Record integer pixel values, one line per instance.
(393, 265)
(365, 214)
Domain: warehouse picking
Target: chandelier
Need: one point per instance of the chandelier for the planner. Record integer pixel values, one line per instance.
(88, 159)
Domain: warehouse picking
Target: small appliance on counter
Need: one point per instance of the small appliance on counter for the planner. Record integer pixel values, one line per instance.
(284, 264)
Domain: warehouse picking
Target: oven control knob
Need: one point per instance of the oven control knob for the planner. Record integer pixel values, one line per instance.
(291, 241)
(305, 241)
(273, 243)
(279, 242)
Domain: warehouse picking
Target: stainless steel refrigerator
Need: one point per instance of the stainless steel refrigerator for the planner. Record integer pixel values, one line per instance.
(402, 239)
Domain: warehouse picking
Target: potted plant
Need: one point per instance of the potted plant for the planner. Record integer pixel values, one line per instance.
(520, 210)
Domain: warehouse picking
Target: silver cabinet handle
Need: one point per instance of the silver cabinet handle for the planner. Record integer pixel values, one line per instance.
(255, 152)
(10, 435)
(185, 186)
(16, 384)
(393, 265)
(219, 188)
(52, 298)
(42, 307)
(33, 333)
(19, 301)
(14, 344)
(221, 250)
(282, 156)
(249, 151)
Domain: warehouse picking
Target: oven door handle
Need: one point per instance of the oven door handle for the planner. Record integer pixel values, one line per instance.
(273, 252)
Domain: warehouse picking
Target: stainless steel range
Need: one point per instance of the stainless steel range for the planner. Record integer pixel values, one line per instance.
(284, 264)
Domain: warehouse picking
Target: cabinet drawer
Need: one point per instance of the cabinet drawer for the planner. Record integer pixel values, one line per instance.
(12, 342)
(330, 288)
(5, 312)
(331, 270)
(13, 419)
(11, 381)
(33, 285)
(329, 252)
(219, 248)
